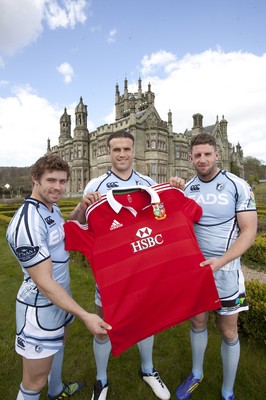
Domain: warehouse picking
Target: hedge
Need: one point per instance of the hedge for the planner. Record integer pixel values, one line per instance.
(253, 322)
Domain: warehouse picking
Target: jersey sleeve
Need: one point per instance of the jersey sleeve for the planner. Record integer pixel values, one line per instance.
(246, 198)
(79, 238)
(27, 238)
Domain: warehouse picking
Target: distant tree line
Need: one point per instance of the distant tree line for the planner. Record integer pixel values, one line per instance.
(19, 181)
(15, 181)
(254, 170)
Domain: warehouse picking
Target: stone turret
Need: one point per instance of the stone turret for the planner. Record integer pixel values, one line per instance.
(65, 127)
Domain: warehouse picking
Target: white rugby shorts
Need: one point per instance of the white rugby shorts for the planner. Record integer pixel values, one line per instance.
(231, 290)
(34, 342)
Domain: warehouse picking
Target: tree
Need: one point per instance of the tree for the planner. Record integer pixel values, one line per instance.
(254, 167)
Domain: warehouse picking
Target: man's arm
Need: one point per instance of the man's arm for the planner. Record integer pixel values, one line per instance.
(41, 274)
(247, 221)
(78, 213)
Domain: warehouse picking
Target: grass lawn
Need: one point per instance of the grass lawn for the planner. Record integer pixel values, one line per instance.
(172, 355)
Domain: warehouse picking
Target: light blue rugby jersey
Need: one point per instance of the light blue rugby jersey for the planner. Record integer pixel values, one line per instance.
(34, 234)
(221, 198)
(109, 180)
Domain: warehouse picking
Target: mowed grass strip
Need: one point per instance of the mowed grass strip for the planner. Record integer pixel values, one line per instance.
(172, 354)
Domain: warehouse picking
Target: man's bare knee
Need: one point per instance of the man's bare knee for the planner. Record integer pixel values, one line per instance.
(199, 321)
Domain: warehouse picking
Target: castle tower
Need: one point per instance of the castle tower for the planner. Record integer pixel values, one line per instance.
(80, 165)
(65, 128)
(197, 124)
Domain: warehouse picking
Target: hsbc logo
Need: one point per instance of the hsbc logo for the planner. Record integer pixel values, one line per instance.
(146, 240)
(144, 232)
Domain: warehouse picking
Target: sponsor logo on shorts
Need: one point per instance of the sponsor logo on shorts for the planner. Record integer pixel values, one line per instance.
(26, 253)
(21, 343)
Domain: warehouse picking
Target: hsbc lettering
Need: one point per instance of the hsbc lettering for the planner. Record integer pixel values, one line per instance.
(146, 243)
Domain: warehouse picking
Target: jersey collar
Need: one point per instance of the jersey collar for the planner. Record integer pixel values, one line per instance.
(116, 206)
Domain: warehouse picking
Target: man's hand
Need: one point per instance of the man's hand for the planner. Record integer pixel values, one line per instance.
(78, 213)
(96, 324)
(89, 199)
(176, 182)
(213, 262)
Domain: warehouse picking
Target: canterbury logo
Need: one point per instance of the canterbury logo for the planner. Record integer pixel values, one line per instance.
(115, 225)
(21, 342)
(111, 185)
(195, 188)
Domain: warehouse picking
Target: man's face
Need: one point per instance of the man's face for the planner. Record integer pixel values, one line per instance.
(122, 154)
(50, 187)
(204, 158)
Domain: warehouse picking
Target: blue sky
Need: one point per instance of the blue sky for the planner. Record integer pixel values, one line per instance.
(206, 56)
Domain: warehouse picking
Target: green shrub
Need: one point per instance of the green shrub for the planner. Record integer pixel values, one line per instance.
(257, 252)
(4, 220)
(253, 322)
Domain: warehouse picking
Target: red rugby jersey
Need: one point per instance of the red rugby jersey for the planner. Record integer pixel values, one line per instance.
(145, 259)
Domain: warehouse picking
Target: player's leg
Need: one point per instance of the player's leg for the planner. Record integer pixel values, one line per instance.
(56, 387)
(148, 373)
(35, 374)
(230, 352)
(101, 350)
(198, 341)
(231, 288)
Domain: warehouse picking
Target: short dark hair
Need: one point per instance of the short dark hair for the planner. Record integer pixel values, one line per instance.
(203, 138)
(120, 134)
(49, 162)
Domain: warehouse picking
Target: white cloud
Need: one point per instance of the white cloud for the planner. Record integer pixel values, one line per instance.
(212, 83)
(66, 16)
(156, 61)
(21, 23)
(26, 122)
(112, 36)
(67, 71)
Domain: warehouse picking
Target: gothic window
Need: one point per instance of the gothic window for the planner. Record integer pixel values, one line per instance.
(71, 154)
(177, 152)
(94, 151)
(153, 144)
(79, 151)
(184, 155)
(153, 171)
(161, 174)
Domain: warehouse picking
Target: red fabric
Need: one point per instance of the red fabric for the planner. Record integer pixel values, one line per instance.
(151, 283)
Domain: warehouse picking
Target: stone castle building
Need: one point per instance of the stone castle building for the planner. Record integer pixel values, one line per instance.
(159, 151)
